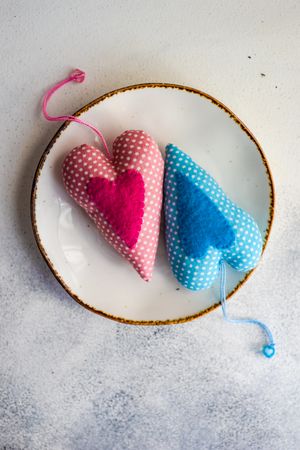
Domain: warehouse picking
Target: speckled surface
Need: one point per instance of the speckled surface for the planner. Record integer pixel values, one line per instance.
(72, 380)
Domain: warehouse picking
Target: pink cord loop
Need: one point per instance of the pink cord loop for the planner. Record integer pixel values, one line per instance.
(78, 76)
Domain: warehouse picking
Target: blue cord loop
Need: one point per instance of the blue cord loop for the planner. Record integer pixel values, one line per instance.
(268, 350)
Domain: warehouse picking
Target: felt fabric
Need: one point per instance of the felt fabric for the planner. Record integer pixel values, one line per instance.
(132, 151)
(121, 202)
(201, 224)
(200, 272)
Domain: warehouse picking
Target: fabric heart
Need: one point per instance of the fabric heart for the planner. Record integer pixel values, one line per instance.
(203, 226)
(122, 195)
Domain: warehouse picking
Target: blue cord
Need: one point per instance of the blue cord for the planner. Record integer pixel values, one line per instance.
(268, 350)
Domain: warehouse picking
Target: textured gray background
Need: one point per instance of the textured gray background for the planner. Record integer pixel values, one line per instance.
(72, 380)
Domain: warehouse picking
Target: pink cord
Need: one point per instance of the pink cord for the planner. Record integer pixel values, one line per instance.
(78, 76)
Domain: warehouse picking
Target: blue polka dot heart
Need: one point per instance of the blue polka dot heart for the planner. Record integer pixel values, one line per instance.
(203, 226)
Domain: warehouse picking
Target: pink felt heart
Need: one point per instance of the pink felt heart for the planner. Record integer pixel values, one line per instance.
(123, 195)
(121, 202)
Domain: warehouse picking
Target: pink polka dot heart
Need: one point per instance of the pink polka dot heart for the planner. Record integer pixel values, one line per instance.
(132, 151)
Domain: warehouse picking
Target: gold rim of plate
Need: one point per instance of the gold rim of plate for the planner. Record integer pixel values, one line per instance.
(86, 108)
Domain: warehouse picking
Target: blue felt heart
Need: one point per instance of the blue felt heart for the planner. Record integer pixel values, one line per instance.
(203, 225)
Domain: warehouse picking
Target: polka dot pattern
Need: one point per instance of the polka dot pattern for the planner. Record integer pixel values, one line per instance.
(131, 150)
(242, 255)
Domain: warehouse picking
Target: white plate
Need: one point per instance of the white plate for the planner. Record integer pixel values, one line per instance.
(88, 268)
